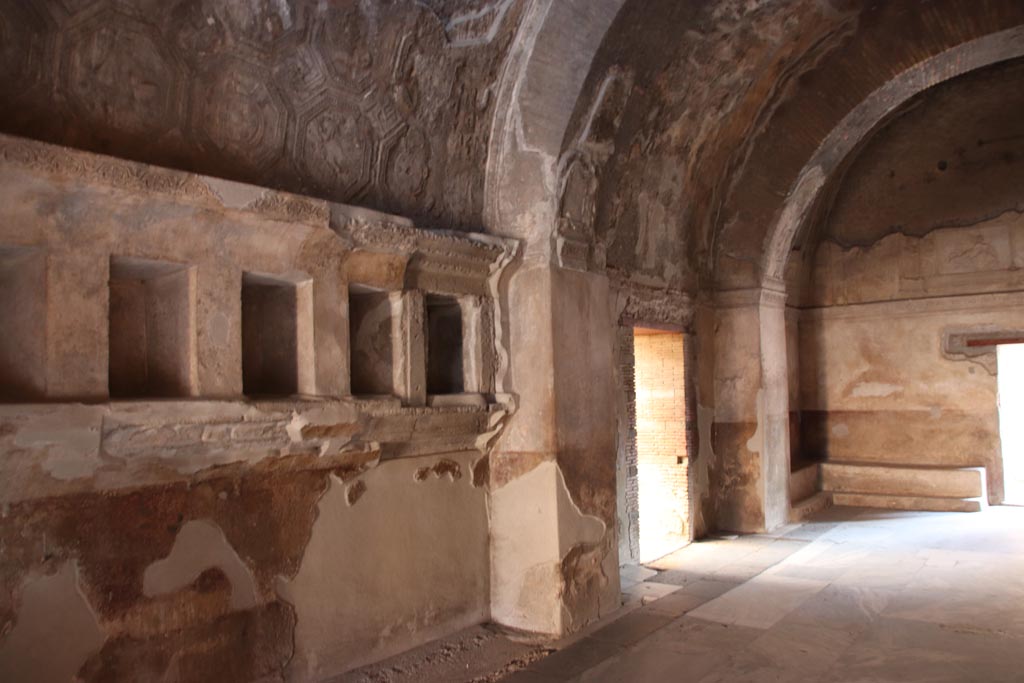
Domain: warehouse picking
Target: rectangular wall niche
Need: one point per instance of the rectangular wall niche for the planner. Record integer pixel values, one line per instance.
(277, 335)
(23, 324)
(444, 345)
(152, 329)
(371, 341)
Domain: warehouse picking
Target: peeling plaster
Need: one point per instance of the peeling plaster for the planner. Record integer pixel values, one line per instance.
(442, 469)
(70, 438)
(423, 547)
(200, 544)
(234, 195)
(354, 492)
(530, 555)
(55, 633)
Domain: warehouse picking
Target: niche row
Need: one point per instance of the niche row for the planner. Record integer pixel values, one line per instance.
(152, 333)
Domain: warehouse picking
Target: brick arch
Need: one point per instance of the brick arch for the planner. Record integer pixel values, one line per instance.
(536, 98)
(836, 108)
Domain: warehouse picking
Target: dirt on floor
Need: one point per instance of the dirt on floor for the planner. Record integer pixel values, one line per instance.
(480, 654)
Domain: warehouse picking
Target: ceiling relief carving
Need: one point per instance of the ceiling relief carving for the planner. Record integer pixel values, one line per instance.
(329, 99)
(336, 143)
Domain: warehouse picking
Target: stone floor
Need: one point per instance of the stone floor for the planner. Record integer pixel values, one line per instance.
(851, 596)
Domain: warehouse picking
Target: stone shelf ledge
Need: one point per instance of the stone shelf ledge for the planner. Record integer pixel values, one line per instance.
(66, 448)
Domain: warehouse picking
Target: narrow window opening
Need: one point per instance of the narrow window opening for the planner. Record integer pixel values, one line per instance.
(371, 341)
(444, 345)
(661, 442)
(23, 322)
(152, 329)
(1010, 379)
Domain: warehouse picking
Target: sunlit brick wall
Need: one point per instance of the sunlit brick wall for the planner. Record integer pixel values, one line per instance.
(660, 383)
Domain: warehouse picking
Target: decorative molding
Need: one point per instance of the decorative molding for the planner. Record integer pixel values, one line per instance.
(641, 305)
(750, 296)
(130, 176)
(135, 444)
(346, 101)
(978, 343)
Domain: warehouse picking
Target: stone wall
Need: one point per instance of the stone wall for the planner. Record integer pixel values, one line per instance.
(190, 489)
(920, 253)
(386, 104)
(627, 481)
(885, 374)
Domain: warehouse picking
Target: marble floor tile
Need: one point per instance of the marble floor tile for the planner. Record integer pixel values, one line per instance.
(881, 569)
(676, 604)
(632, 628)
(963, 611)
(648, 591)
(849, 608)
(852, 596)
(692, 635)
(898, 651)
(760, 602)
(709, 588)
(574, 659)
(652, 664)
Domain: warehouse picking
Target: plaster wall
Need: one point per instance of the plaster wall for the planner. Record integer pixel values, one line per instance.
(214, 536)
(880, 379)
(378, 578)
(554, 558)
(742, 483)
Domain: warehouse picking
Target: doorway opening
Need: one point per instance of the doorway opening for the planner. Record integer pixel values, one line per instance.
(661, 442)
(1010, 378)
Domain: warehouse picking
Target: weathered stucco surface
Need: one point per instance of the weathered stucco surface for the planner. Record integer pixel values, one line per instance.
(921, 247)
(397, 575)
(386, 104)
(252, 435)
(194, 537)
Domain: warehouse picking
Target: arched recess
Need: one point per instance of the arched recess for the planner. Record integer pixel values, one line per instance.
(857, 126)
(899, 50)
(913, 246)
(539, 89)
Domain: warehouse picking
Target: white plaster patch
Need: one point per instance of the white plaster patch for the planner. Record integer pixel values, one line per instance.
(70, 437)
(55, 633)
(199, 546)
(333, 415)
(529, 552)
(875, 390)
(234, 195)
(433, 539)
(295, 426)
(840, 431)
(495, 424)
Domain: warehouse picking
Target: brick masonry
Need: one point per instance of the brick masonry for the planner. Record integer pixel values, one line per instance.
(661, 419)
